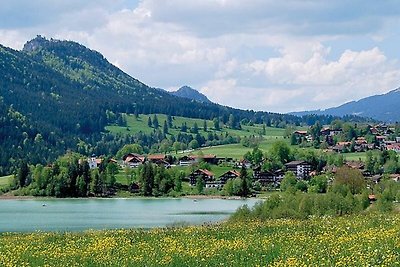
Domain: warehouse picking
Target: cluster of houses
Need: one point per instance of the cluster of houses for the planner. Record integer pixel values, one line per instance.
(301, 169)
(382, 133)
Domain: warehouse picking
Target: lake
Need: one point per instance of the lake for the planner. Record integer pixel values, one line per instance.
(85, 214)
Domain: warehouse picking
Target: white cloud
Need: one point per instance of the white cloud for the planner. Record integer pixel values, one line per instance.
(259, 54)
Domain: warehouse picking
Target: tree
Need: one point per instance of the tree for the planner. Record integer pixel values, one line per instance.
(216, 124)
(245, 185)
(155, 121)
(165, 128)
(351, 178)
(169, 121)
(288, 182)
(205, 126)
(200, 185)
(149, 122)
(195, 128)
(319, 183)
(280, 150)
(131, 148)
(23, 174)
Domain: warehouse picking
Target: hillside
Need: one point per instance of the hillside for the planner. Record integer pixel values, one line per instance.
(190, 93)
(64, 95)
(379, 107)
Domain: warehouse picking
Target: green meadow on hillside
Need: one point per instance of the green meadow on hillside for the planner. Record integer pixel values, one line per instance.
(135, 125)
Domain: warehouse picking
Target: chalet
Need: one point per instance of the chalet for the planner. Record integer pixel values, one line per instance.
(341, 147)
(211, 159)
(243, 163)
(159, 159)
(268, 177)
(206, 175)
(94, 162)
(301, 133)
(336, 132)
(229, 175)
(187, 161)
(357, 165)
(361, 144)
(394, 147)
(397, 139)
(300, 168)
(325, 131)
(133, 160)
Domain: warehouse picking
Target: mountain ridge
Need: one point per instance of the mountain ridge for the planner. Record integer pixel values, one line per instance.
(382, 107)
(190, 93)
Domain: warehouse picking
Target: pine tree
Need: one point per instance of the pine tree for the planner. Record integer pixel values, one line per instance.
(205, 126)
(149, 122)
(155, 121)
(165, 128)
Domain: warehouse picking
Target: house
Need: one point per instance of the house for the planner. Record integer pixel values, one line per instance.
(159, 159)
(397, 139)
(357, 165)
(206, 175)
(243, 163)
(94, 162)
(301, 169)
(133, 160)
(187, 161)
(268, 177)
(211, 159)
(394, 147)
(341, 147)
(229, 175)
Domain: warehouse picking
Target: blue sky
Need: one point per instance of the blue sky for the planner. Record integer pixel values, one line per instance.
(259, 54)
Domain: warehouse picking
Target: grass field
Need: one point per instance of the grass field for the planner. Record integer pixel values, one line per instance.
(5, 180)
(140, 124)
(363, 240)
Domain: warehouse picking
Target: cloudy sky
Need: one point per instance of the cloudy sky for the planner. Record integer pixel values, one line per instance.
(257, 54)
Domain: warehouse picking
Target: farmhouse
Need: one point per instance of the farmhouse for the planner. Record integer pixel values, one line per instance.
(232, 174)
(268, 177)
(133, 160)
(187, 161)
(94, 162)
(206, 175)
(300, 168)
(159, 159)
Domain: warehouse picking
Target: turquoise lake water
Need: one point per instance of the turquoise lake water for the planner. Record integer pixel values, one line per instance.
(85, 214)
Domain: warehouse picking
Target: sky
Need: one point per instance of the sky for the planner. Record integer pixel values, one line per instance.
(267, 55)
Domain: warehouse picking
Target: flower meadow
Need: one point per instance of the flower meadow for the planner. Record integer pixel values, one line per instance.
(361, 240)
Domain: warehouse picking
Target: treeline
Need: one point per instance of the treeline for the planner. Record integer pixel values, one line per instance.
(345, 194)
(69, 176)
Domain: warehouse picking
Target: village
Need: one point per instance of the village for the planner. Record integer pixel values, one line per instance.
(380, 138)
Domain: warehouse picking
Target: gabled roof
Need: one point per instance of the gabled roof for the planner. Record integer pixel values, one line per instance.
(297, 162)
(234, 172)
(156, 157)
(206, 172)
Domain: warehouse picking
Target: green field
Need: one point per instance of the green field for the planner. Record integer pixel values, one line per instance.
(5, 180)
(140, 125)
(362, 240)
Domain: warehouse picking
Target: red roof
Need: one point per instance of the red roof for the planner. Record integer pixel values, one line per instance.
(156, 157)
(207, 172)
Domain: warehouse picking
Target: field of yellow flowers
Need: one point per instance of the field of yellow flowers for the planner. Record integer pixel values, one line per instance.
(362, 240)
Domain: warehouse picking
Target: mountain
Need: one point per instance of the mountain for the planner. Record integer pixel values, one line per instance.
(383, 107)
(57, 96)
(190, 93)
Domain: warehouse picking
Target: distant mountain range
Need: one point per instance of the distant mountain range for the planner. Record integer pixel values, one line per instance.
(383, 107)
(190, 93)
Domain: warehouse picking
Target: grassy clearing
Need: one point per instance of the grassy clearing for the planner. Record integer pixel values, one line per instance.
(5, 180)
(363, 240)
(140, 125)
